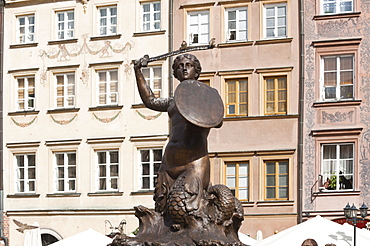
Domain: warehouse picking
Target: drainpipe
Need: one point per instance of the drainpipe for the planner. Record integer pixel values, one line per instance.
(301, 110)
(170, 47)
(2, 4)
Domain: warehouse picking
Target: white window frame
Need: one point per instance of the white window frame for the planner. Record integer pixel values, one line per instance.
(107, 94)
(110, 27)
(28, 35)
(198, 26)
(108, 171)
(152, 176)
(65, 27)
(338, 73)
(66, 168)
(151, 79)
(67, 95)
(276, 23)
(336, 7)
(152, 13)
(27, 99)
(336, 163)
(26, 173)
(233, 179)
(237, 25)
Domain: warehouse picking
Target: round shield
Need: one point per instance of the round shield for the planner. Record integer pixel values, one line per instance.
(199, 103)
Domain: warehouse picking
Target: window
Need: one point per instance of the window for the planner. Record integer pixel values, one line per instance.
(337, 165)
(107, 20)
(275, 20)
(337, 77)
(198, 27)
(108, 87)
(275, 95)
(237, 179)
(65, 23)
(150, 161)
(26, 93)
(153, 76)
(26, 173)
(108, 165)
(65, 171)
(236, 97)
(236, 24)
(276, 180)
(26, 29)
(65, 90)
(337, 6)
(151, 16)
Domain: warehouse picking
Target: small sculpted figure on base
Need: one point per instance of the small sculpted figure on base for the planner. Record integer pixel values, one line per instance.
(188, 209)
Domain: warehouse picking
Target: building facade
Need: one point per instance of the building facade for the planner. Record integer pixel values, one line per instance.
(255, 68)
(336, 102)
(79, 146)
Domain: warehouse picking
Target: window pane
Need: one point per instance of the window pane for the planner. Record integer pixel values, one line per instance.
(72, 172)
(144, 155)
(270, 180)
(283, 192)
(146, 183)
(114, 171)
(102, 171)
(113, 156)
(230, 169)
(346, 151)
(330, 63)
(102, 157)
(145, 169)
(230, 182)
(329, 151)
(270, 192)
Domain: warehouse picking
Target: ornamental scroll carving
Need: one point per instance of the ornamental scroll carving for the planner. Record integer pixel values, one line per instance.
(337, 117)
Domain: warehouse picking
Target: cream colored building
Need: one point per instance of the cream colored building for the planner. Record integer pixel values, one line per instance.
(79, 147)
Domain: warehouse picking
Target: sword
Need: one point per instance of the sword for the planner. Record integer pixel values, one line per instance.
(183, 49)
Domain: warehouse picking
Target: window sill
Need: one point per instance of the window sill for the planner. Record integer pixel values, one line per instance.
(142, 192)
(235, 44)
(247, 203)
(138, 105)
(106, 107)
(149, 33)
(275, 203)
(25, 112)
(274, 41)
(62, 110)
(337, 103)
(264, 117)
(27, 45)
(117, 36)
(64, 195)
(337, 16)
(24, 195)
(337, 193)
(105, 193)
(63, 41)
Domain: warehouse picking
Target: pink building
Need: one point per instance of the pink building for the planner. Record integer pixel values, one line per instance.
(255, 68)
(336, 107)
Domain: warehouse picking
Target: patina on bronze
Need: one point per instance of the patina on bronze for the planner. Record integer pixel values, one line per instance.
(188, 209)
(199, 103)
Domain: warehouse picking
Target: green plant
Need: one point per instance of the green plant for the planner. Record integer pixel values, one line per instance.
(333, 182)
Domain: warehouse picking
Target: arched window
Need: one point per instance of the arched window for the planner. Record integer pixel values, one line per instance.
(49, 236)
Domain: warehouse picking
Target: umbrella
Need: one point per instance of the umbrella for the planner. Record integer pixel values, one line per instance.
(322, 230)
(246, 239)
(89, 237)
